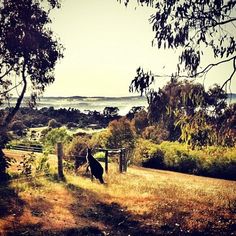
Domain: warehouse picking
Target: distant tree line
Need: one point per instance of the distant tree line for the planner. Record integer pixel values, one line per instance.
(48, 116)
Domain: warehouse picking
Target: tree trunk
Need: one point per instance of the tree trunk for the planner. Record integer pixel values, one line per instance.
(4, 163)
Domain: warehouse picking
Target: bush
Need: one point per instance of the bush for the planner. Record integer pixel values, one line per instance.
(187, 163)
(156, 160)
(54, 124)
(43, 165)
(76, 150)
(53, 137)
(148, 154)
(71, 125)
(219, 162)
(101, 139)
(17, 125)
(122, 134)
(140, 121)
(100, 156)
(155, 133)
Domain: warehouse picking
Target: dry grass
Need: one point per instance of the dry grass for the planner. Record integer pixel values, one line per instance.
(139, 202)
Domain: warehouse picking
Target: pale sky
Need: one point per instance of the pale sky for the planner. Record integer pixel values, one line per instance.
(105, 43)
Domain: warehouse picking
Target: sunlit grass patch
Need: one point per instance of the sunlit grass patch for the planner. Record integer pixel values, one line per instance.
(157, 199)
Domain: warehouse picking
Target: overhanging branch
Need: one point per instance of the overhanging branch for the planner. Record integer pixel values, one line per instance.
(205, 71)
(12, 113)
(231, 76)
(7, 91)
(209, 67)
(6, 73)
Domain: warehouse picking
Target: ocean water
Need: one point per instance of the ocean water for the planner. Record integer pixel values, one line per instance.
(95, 103)
(90, 103)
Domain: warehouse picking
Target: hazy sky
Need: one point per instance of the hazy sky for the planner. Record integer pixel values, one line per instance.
(105, 43)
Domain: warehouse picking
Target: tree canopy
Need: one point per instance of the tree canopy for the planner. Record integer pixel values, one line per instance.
(27, 48)
(196, 27)
(28, 52)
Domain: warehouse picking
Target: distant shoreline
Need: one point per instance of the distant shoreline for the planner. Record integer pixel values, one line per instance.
(124, 104)
(84, 97)
(103, 97)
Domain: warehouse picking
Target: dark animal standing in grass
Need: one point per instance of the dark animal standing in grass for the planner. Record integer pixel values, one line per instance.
(95, 167)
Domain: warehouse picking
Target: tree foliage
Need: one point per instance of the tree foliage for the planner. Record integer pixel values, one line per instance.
(28, 53)
(185, 111)
(28, 49)
(196, 28)
(121, 134)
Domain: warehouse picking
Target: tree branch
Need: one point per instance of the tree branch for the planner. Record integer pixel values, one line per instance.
(7, 72)
(231, 76)
(12, 113)
(225, 22)
(207, 68)
(11, 88)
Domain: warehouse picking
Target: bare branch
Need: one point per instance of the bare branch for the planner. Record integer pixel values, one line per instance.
(12, 113)
(204, 71)
(225, 22)
(231, 76)
(209, 67)
(7, 91)
(7, 72)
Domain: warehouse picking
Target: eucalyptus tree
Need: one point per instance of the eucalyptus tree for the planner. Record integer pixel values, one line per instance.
(28, 51)
(195, 27)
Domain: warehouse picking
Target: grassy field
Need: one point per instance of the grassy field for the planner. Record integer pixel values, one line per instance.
(139, 202)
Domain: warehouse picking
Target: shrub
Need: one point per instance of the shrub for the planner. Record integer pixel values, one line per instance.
(148, 154)
(187, 163)
(76, 150)
(71, 125)
(156, 160)
(155, 133)
(54, 136)
(220, 167)
(17, 125)
(100, 139)
(121, 134)
(212, 161)
(140, 121)
(25, 166)
(54, 124)
(100, 156)
(43, 165)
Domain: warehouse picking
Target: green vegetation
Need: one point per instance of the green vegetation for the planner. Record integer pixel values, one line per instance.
(212, 161)
(53, 137)
(28, 53)
(184, 111)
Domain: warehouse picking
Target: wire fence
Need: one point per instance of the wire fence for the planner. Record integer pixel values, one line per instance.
(31, 148)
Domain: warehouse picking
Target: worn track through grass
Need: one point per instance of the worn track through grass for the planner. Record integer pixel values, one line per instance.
(139, 202)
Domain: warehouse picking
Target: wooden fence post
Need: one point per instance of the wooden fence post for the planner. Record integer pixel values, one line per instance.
(106, 161)
(125, 160)
(60, 158)
(120, 160)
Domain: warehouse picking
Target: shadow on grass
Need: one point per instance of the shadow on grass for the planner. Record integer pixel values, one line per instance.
(10, 202)
(115, 220)
(102, 218)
